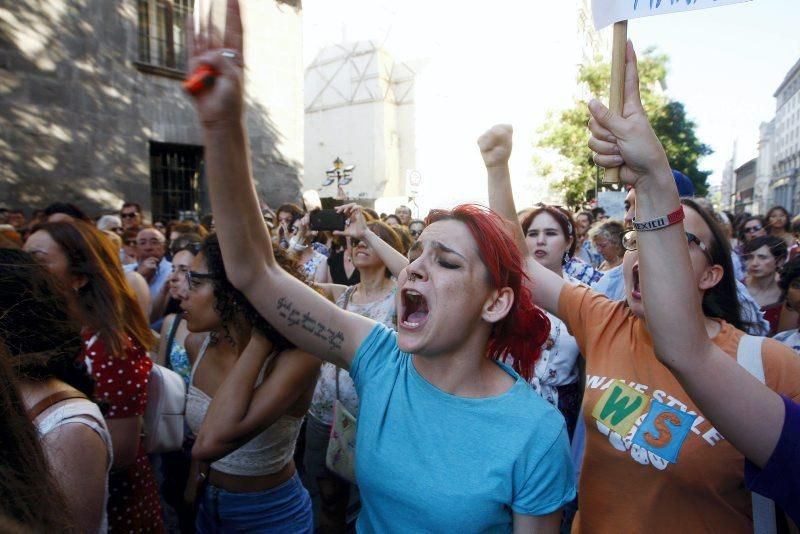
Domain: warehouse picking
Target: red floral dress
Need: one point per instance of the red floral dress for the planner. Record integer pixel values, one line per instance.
(133, 504)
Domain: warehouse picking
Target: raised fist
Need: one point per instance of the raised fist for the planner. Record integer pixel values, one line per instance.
(495, 145)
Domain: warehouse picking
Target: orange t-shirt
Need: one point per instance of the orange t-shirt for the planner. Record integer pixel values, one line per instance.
(672, 472)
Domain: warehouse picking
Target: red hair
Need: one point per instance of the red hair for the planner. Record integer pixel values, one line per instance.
(525, 329)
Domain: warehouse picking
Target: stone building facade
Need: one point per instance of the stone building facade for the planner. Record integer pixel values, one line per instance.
(92, 110)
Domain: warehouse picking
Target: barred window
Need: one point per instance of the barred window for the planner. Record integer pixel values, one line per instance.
(162, 32)
(177, 181)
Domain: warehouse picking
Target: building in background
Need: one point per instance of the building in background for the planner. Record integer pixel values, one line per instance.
(359, 107)
(92, 109)
(745, 179)
(782, 141)
(766, 133)
(727, 196)
(777, 167)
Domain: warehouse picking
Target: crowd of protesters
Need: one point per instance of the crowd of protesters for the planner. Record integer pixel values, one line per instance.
(501, 367)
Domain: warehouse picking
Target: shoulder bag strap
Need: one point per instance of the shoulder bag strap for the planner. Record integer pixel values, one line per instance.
(749, 356)
(170, 340)
(51, 400)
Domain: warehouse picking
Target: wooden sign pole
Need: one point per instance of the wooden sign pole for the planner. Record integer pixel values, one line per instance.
(615, 98)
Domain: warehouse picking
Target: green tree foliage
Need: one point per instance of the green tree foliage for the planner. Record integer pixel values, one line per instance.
(566, 132)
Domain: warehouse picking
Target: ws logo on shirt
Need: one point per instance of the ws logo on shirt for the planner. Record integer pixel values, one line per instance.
(655, 437)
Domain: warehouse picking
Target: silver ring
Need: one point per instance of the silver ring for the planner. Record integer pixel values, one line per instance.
(226, 53)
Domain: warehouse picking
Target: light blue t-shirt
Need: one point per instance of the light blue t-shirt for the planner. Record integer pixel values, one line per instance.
(428, 461)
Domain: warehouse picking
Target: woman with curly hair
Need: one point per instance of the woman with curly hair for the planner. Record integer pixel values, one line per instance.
(115, 338)
(249, 390)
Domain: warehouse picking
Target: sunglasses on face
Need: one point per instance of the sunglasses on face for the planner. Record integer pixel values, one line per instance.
(131, 243)
(194, 279)
(128, 215)
(415, 233)
(354, 242)
(629, 241)
(752, 229)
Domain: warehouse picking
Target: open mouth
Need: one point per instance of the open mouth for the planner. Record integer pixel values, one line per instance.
(415, 310)
(636, 291)
(540, 253)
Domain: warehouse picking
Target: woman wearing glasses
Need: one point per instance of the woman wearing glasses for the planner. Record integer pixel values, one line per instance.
(375, 253)
(651, 457)
(759, 423)
(249, 390)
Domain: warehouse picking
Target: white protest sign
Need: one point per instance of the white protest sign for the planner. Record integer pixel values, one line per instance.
(607, 11)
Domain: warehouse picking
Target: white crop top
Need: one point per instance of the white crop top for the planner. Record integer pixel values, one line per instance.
(266, 453)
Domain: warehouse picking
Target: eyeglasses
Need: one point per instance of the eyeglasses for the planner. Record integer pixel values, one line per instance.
(128, 215)
(194, 279)
(629, 242)
(154, 241)
(752, 229)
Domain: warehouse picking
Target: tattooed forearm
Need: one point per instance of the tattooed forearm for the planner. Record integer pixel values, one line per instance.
(308, 323)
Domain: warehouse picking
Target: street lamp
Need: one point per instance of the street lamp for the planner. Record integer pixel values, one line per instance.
(340, 174)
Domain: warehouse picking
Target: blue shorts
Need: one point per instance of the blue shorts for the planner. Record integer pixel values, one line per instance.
(285, 508)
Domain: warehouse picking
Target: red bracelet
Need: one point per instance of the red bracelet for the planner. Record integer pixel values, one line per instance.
(661, 222)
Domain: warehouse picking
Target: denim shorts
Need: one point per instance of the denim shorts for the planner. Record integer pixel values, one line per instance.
(285, 508)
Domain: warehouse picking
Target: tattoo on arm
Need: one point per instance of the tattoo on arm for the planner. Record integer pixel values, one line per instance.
(308, 323)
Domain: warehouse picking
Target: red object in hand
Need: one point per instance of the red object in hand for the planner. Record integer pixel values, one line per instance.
(201, 79)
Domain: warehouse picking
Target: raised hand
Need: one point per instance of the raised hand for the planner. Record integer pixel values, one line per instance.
(356, 225)
(495, 145)
(627, 141)
(223, 101)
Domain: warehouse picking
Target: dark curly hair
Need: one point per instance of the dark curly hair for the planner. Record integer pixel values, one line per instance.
(41, 337)
(789, 272)
(229, 301)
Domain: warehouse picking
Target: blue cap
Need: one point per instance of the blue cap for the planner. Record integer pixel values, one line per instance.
(685, 185)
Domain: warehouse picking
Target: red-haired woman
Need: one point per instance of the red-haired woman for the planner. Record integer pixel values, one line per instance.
(116, 336)
(448, 437)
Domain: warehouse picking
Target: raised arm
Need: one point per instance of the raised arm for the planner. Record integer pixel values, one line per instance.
(241, 409)
(725, 392)
(297, 311)
(495, 145)
(357, 227)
